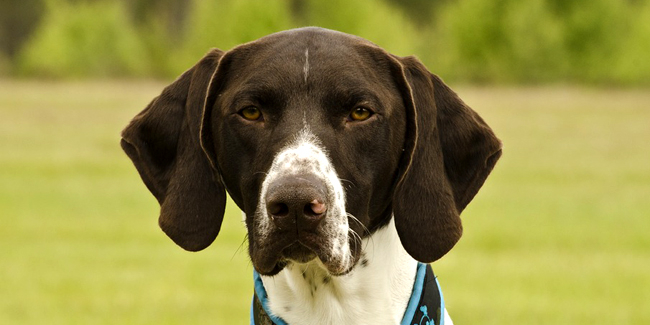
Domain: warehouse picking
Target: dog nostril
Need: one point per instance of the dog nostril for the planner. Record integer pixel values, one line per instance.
(315, 208)
(278, 209)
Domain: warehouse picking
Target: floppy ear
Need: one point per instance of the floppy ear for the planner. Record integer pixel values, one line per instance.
(163, 143)
(449, 152)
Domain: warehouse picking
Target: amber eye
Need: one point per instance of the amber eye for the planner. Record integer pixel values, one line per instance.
(360, 114)
(251, 113)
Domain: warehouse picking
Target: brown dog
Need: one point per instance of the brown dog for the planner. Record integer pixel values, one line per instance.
(349, 163)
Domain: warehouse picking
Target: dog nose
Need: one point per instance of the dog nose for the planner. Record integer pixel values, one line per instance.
(296, 202)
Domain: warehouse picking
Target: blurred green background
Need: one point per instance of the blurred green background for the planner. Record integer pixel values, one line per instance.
(505, 41)
(559, 233)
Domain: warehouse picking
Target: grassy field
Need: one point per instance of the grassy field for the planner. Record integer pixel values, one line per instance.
(560, 234)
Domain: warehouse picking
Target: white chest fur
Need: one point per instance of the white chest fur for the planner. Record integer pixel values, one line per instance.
(375, 292)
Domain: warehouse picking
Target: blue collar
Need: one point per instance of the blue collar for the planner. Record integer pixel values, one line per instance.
(426, 295)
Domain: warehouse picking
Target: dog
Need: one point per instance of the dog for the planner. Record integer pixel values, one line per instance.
(351, 167)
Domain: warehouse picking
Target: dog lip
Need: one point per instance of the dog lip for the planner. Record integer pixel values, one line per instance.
(299, 248)
(273, 258)
(267, 257)
(298, 252)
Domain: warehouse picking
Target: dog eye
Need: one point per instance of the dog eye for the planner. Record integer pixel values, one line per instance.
(251, 113)
(360, 114)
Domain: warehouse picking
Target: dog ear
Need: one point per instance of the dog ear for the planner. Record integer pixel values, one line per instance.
(449, 152)
(163, 143)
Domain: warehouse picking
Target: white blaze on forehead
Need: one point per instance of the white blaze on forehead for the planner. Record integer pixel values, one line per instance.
(305, 68)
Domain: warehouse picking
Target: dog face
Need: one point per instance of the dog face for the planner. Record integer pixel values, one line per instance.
(307, 138)
(320, 138)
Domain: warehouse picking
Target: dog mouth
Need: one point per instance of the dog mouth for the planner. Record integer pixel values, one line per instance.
(272, 257)
(298, 252)
(306, 247)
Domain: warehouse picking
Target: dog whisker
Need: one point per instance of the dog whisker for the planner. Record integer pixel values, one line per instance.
(356, 237)
(356, 241)
(347, 181)
(304, 271)
(245, 241)
(366, 231)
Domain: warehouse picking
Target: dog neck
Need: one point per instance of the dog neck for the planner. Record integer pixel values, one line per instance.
(376, 291)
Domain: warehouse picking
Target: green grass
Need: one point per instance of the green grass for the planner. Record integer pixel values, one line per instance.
(558, 235)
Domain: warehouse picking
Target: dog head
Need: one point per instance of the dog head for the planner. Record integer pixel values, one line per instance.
(320, 138)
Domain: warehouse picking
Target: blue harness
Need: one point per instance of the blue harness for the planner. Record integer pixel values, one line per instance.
(425, 298)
